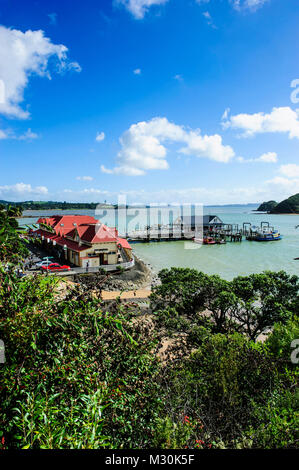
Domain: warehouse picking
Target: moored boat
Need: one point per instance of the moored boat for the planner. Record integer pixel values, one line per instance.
(265, 236)
(209, 241)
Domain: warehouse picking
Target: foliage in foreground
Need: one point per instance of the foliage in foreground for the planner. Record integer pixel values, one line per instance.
(75, 376)
(12, 248)
(81, 375)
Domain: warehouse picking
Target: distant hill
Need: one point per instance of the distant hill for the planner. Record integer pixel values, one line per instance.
(47, 205)
(267, 206)
(288, 206)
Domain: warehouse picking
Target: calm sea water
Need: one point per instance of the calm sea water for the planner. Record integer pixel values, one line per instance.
(227, 260)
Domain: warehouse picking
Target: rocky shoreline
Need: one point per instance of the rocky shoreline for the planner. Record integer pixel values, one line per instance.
(141, 276)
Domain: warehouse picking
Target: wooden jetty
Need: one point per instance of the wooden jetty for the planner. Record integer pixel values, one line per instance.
(221, 233)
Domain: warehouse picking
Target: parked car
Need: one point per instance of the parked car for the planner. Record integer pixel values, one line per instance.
(43, 263)
(55, 267)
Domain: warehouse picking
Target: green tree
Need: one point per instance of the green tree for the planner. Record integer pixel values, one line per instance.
(265, 299)
(12, 248)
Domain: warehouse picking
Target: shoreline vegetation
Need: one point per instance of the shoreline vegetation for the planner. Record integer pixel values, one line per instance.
(287, 206)
(182, 370)
(52, 205)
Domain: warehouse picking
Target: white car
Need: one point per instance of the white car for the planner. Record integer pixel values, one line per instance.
(43, 263)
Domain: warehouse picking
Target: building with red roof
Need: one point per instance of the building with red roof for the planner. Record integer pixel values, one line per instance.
(83, 240)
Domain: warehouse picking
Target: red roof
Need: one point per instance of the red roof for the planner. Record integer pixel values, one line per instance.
(124, 243)
(62, 241)
(66, 222)
(88, 228)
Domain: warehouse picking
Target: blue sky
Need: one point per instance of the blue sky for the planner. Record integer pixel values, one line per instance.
(191, 100)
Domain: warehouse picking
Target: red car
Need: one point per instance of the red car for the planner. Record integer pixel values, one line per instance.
(55, 267)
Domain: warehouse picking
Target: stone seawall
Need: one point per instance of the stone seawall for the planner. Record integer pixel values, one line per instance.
(139, 277)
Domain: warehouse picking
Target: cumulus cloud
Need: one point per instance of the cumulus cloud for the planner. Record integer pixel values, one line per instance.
(21, 56)
(283, 187)
(100, 136)
(143, 146)
(282, 119)
(290, 170)
(139, 8)
(288, 183)
(22, 190)
(269, 157)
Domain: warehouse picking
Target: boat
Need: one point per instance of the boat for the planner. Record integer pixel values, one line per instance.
(198, 240)
(209, 241)
(265, 236)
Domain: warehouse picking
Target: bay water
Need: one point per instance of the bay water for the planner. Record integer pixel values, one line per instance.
(228, 260)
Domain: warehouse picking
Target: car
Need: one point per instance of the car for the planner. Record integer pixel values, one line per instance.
(43, 263)
(55, 267)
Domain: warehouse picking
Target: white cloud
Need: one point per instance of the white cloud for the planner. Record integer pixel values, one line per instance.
(3, 135)
(84, 178)
(247, 4)
(22, 190)
(85, 191)
(270, 157)
(142, 146)
(28, 135)
(21, 56)
(100, 136)
(290, 170)
(282, 119)
(9, 134)
(137, 71)
(209, 19)
(276, 189)
(139, 8)
(240, 5)
(225, 114)
(283, 187)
